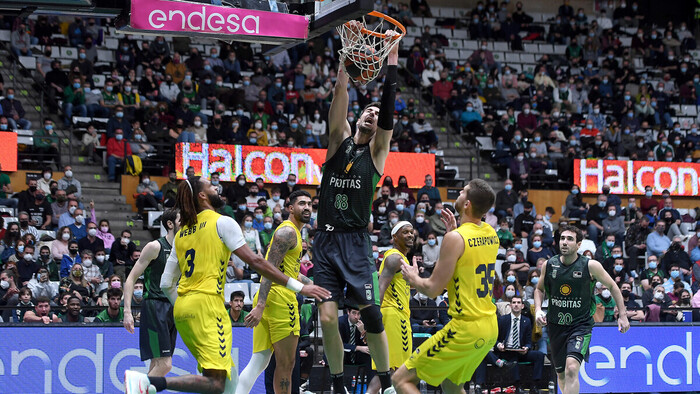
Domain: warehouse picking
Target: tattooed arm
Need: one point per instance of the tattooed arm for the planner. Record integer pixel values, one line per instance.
(284, 239)
(392, 265)
(304, 280)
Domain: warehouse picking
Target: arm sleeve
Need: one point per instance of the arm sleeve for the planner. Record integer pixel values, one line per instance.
(386, 108)
(230, 233)
(171, 275)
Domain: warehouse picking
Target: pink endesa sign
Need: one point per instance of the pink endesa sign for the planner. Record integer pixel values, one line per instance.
(182, 16)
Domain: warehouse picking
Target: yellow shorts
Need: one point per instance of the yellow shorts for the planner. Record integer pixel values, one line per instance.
(205, 327)
(454, 352)
(280, 319)
(397, 325)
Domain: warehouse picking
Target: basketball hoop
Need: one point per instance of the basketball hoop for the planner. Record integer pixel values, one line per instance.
(364, 48)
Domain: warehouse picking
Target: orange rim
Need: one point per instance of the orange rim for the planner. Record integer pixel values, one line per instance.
(390, 20)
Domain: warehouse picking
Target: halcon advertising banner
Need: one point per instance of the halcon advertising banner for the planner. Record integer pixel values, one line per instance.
(273, 165)
(8, 147)
(631, 177)
(90, 359)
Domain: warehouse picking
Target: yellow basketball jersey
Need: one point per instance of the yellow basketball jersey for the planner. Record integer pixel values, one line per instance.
(398, 293)
(290, 264)
(203, 256)
(469, 291)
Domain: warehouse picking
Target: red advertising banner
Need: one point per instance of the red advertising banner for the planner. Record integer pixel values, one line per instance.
(631, 177)
(275, 164)
(8, 147)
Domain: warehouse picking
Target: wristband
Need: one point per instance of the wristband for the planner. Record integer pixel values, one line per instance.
(294, 285)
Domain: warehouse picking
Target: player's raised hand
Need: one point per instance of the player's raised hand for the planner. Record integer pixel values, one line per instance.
(253, 318)
(129, 322)
(622, 323)
(449, 219)
(410, 273)
(317, 292)
(394, 37)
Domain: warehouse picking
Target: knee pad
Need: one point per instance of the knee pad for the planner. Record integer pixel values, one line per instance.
(372, 318)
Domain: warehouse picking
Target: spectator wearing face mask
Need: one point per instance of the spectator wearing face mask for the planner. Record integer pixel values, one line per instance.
(614, 224)
(423, 321)
(658, 306)
(147, 195)
(423, 227)
(430, 251)
(59, 246)
(385, 238)
(117, 150)
(435, 220)
(533, 279)
(78, 227)
(104, 265)
(120, 254)
(657, 242)
(114, 282)
(91, 271)
(537, 251)
(605, 306)
(595, 217)
(675, 277)
(103, 233)
(91, 241)
(70, 260)
(26, 266)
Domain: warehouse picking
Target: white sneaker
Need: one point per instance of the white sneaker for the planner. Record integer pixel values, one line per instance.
(137, 383)
(390, 390)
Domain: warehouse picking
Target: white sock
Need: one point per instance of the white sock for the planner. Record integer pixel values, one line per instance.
(257, 364)
(231, 384)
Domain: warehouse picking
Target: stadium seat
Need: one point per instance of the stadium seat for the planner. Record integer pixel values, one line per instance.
(254, 287)
(8, 220)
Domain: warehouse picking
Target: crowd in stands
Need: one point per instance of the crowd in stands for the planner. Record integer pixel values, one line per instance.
(590, 101)
(597, 98)
(157, 93)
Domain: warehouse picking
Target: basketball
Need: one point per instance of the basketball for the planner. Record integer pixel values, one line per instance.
(362, 65)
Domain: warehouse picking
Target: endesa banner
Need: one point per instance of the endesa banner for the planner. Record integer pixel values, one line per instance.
(90, 359)
(631, 177)
(273, 165)
(165, 16)
(648, 358)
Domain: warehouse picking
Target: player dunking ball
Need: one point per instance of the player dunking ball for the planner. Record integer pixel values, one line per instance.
(198, 261)
(569, 280)
(157, 333)
(466, 267)
(342, 247)
(394, 295)
(275, 318)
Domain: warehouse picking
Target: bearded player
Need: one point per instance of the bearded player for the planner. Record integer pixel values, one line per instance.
(342, 247)
(275, 318)
(193, 280)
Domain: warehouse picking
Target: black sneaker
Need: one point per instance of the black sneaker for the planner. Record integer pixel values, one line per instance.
(509, 364)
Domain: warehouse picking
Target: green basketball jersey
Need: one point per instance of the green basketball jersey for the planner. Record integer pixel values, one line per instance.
(570, 292)
(154, 271)
(347, 188)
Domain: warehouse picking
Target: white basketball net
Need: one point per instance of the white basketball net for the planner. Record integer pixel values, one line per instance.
(366, 47)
